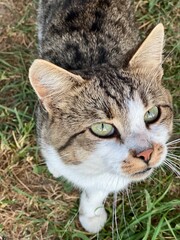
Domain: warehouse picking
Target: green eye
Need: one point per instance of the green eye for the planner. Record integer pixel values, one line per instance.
(151, 115)
(102, 129)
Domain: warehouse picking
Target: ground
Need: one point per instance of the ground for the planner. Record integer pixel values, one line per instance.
(34, 205)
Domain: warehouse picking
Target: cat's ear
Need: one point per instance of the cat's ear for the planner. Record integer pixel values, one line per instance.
(48, 79)
(149, 55)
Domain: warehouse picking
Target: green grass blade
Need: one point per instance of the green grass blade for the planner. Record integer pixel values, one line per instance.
(149, 207)
(170, 228)
(158, 228)
(80, 236)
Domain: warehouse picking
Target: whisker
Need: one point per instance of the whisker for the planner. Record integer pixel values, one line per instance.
(123, 212)
(132, 197)
(173, 160)
(175, 164)
(174, 154)
(173, 157)
(131, 192)
(110, 182)
(173, 147)
(175, 170)
(173, 142)
(172, 168)
(166, 167)
(176, 167)
(130, 204)
(115, 214)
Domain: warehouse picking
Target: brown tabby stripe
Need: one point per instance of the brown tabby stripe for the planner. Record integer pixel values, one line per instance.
(167, 106)
(70, 141)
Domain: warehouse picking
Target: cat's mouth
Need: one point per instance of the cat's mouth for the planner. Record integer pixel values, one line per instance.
(142, 172)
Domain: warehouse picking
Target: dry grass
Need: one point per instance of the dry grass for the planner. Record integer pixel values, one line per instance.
(33, 205)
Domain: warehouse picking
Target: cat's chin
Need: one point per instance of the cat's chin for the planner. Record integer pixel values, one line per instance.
(142, 175)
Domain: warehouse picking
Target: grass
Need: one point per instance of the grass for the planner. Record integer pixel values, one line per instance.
(33, 205)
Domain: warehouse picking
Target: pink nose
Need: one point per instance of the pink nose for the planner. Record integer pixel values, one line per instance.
(145, 155)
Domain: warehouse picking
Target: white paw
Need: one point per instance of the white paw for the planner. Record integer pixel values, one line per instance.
(93, 224)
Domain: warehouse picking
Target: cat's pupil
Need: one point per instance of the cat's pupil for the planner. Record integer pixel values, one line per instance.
(152, 115)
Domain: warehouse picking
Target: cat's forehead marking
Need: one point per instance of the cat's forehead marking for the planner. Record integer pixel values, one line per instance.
(135, 114)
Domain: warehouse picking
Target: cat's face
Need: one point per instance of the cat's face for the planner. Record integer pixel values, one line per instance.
(118, 121)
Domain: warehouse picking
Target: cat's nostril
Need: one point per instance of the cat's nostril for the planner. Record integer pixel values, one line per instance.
(142, 157)
(145, 155)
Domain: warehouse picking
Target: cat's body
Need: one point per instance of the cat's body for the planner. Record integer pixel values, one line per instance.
(105, 117)
(82, 34)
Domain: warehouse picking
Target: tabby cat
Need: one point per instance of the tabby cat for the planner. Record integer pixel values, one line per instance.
(104, 117)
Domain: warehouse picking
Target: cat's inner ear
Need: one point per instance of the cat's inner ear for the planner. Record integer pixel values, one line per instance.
(149, 54)
(48, 79)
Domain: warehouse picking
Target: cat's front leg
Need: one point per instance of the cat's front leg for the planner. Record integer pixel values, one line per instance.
(92, 214)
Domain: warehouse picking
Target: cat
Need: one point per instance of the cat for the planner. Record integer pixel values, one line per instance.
(104, 117)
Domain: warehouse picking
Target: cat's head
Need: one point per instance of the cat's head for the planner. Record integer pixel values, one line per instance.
(117, 121)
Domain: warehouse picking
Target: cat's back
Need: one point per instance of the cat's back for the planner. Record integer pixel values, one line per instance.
(78, 34)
